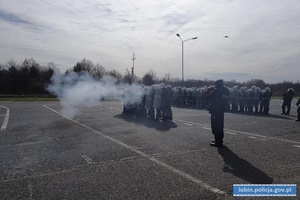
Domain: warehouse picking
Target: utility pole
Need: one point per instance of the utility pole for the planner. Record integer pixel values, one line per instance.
(133, 58)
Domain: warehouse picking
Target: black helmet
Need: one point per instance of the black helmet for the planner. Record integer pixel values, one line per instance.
(219, 83)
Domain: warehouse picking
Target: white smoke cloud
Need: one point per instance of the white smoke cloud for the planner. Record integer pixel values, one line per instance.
(77, 91)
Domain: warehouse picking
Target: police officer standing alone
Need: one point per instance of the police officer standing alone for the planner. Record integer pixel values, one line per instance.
(287, 101)
(218, 98)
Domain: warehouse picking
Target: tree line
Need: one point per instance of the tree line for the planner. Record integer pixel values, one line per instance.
(31, 78)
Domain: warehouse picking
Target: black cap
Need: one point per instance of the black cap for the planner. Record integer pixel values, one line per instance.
(219, 83)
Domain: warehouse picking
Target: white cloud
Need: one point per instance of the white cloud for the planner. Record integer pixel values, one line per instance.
(264, 36)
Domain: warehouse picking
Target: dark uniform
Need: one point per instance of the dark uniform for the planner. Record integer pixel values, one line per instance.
(167, 96)
(298, 110)
(218, 100)
(265, 100)
(287, 101)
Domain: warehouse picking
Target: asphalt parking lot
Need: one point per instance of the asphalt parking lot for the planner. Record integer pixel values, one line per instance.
(104, 154)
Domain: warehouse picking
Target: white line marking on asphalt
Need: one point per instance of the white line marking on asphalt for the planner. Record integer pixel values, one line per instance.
(193, 123)
(245, 133)
(297, 146)
(5, 122)
(252, 137)
(231, 133)
(188, 124)
(88, 159)
(265, 137)
(149, 157)
(206, 128)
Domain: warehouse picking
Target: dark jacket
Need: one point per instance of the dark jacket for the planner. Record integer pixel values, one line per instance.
(218, 99)
(288, 96)
(298, 102)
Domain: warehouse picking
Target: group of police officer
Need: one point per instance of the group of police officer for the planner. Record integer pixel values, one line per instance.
(241, 99)
(157, 99)
(155, 103)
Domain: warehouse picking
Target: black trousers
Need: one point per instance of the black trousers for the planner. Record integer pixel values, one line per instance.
(217, 126)
(287, 105)
(298, 112)
(151, 113)
(266, 106)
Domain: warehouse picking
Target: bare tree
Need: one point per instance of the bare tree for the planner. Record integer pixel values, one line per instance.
(84, 65)
(167, 77)
(149, 78)
(115, 74)
(11, 63)
(98, 71)
(127, 77)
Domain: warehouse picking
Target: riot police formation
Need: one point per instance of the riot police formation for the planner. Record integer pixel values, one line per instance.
(265, 101)
(189, 97)
(158, 99)
(250, 101)
(149, 102)
(241, 99)
(167, 96)
(233, 98)
(154, 104)
(256, 99)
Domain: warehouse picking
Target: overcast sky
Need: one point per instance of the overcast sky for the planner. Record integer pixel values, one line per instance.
(263, 42)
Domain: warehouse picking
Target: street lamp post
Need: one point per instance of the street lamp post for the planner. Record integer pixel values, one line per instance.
(182, 41)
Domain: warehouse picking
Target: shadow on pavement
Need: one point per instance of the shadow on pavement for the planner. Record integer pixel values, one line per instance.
(242, 168)
(158, 125)
(288, 117)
